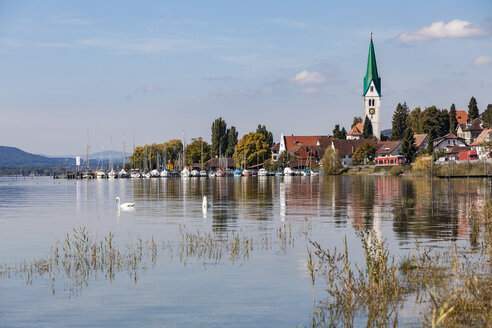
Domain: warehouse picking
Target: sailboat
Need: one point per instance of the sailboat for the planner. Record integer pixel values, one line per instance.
(123, 174)
(185, 173)
(112, 174)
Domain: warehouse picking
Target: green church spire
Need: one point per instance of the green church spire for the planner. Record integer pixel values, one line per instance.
(372, 71)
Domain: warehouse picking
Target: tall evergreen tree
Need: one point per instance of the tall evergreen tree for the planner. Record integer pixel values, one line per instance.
(430, 141)
(344, 133)
(414, 120)
(408, 148)
(231, 141)
(268, 135)
(219, 137)
(453, 122)
(337, 133)
(487, 114)
(473, 112)
(357, 119)
(399, 122)
(367, 133)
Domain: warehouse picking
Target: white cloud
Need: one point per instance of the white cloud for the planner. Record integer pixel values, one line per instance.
(482, 60)
(439, 30)
(306, 77)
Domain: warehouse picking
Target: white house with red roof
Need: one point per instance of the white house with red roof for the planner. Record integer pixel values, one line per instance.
(484, 136)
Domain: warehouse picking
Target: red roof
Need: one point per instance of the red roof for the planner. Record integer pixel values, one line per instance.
(419, 139)
(481, 137)
(356, 130)
(461, 116)
(348, 147)
(291, 141)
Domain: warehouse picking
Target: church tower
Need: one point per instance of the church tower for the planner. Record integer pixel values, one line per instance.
(372, 92)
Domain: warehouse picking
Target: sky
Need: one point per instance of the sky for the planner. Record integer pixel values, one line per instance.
(149, 71)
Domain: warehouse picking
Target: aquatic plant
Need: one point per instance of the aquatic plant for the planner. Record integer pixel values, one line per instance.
(80, 258)
(452, 288)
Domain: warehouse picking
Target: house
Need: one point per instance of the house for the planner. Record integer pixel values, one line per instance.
(461, 116)
(304, 147)
(389, 148)
(485, 136)
(421, 140)
(453, 153)
(356, 132)
(220, 163)
(447, 142)
(275, 151)
(470, 131)
(347, 147)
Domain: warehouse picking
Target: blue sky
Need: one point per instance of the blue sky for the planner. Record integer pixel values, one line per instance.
(157, 69)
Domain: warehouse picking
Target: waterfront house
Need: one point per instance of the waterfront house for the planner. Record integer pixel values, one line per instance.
(304, 147)
(275, 151)
(453, 152)
(448, 141)
(356, 132)
(346, 148)
(470, 131)
(485, 136)
(214, 164)
(421, 140)
(389, 148)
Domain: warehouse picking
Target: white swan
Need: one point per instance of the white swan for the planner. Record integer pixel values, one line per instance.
(124, 205)
(205, 205)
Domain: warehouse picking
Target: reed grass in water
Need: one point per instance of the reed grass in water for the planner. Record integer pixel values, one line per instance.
(451, 288)
(80, 258)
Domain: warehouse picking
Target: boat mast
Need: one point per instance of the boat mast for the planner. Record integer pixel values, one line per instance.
(111, 158)
(87, 151)
(123, 155)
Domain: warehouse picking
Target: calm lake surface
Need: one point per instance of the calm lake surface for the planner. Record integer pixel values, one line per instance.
(268, 287)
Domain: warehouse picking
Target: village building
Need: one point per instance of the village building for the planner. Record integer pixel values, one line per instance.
(447, 142)
(304, 147)
(421, 140)
(389, 148)
(453, 153)
(485, 136)
(461, 116)
(346, 148)
(356, 132)
(214, 164)
(372, 92)
(470, 131)
(275, 151)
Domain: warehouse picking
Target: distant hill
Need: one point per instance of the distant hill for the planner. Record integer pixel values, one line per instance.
(14, 157)
(387, 133)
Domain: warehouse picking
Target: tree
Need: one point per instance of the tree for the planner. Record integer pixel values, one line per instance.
(399, 122)
(198, 151)
(331, 161)
(414, 120)
(231, 141)
(357, 119)
(434, 118)
(367, 130)
(174, 149)
(219, 137)
(473, 112)
(283, 159)
(487, 114)
(423, 163)
(268, 135)
(337, 133)
(343, 133)
(253, 148)
(430, 141)
(453, 122)
(364, 154)
(408, 148)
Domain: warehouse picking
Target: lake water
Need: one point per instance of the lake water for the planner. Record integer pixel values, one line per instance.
(267, 287)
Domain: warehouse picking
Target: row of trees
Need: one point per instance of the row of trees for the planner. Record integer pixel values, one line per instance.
(253, 148)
